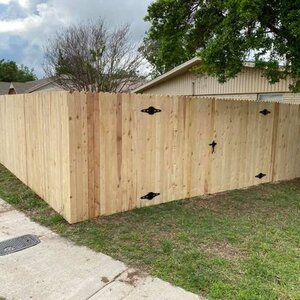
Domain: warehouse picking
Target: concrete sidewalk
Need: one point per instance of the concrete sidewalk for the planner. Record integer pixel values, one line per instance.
(58, 269)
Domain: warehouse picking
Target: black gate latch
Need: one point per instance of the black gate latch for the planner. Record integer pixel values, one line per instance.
(213, 145)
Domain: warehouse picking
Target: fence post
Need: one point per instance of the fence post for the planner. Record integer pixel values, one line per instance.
(93, 154)
(274, 142)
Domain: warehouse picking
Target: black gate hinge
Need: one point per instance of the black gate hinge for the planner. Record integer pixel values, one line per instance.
(151, 110)
(260, 175)
(265, 112)
(150, 196)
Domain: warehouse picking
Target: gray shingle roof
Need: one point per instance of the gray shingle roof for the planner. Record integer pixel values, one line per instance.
(23, 87)
(30, 86)
(4, 87)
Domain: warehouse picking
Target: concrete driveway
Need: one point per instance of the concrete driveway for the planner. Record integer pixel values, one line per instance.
(58, 269)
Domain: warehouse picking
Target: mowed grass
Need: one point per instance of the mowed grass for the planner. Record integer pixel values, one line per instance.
(244, 244)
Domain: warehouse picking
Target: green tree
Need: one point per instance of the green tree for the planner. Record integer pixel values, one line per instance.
(224, 34)
(10, 71)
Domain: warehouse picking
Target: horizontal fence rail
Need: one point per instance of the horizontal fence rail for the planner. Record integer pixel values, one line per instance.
(90, 155)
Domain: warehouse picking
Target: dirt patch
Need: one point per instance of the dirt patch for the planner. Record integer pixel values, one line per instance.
(222, 249)
(132, 277)
(105, 279)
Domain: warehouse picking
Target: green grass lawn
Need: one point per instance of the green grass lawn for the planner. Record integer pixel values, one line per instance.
(244, 244)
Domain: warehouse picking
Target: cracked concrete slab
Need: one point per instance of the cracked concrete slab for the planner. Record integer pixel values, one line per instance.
(58, 269)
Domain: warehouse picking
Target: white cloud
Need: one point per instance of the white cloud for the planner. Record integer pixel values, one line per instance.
(5, 2)
(22, 3)
(19, 25)
(38, 20)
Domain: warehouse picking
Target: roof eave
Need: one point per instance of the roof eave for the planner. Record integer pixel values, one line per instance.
(181, 68)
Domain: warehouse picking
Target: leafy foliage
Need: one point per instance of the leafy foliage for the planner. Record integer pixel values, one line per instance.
(10, 71)
(225, 33)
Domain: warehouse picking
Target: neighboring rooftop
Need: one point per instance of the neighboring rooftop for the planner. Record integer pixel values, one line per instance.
(42, 84)
(24, 87)
(175, 72)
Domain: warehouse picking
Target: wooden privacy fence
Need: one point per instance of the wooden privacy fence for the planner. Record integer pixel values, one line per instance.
(97, 154)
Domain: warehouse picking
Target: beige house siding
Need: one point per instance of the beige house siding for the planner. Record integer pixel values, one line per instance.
(287, 97)
(238, 96)
(291, 97)
(247, 85)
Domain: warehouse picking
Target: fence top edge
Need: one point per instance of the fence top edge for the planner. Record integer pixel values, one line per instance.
(145, 96)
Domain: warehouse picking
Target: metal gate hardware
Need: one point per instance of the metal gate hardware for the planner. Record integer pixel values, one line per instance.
(150, 196)
(213, 145)
(260, 175)
(18, 244)
(265, 112)
(151, 110)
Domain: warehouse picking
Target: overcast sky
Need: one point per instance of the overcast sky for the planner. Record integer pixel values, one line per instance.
(26, 25)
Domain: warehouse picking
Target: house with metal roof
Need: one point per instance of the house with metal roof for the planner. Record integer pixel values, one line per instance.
(248, 84)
